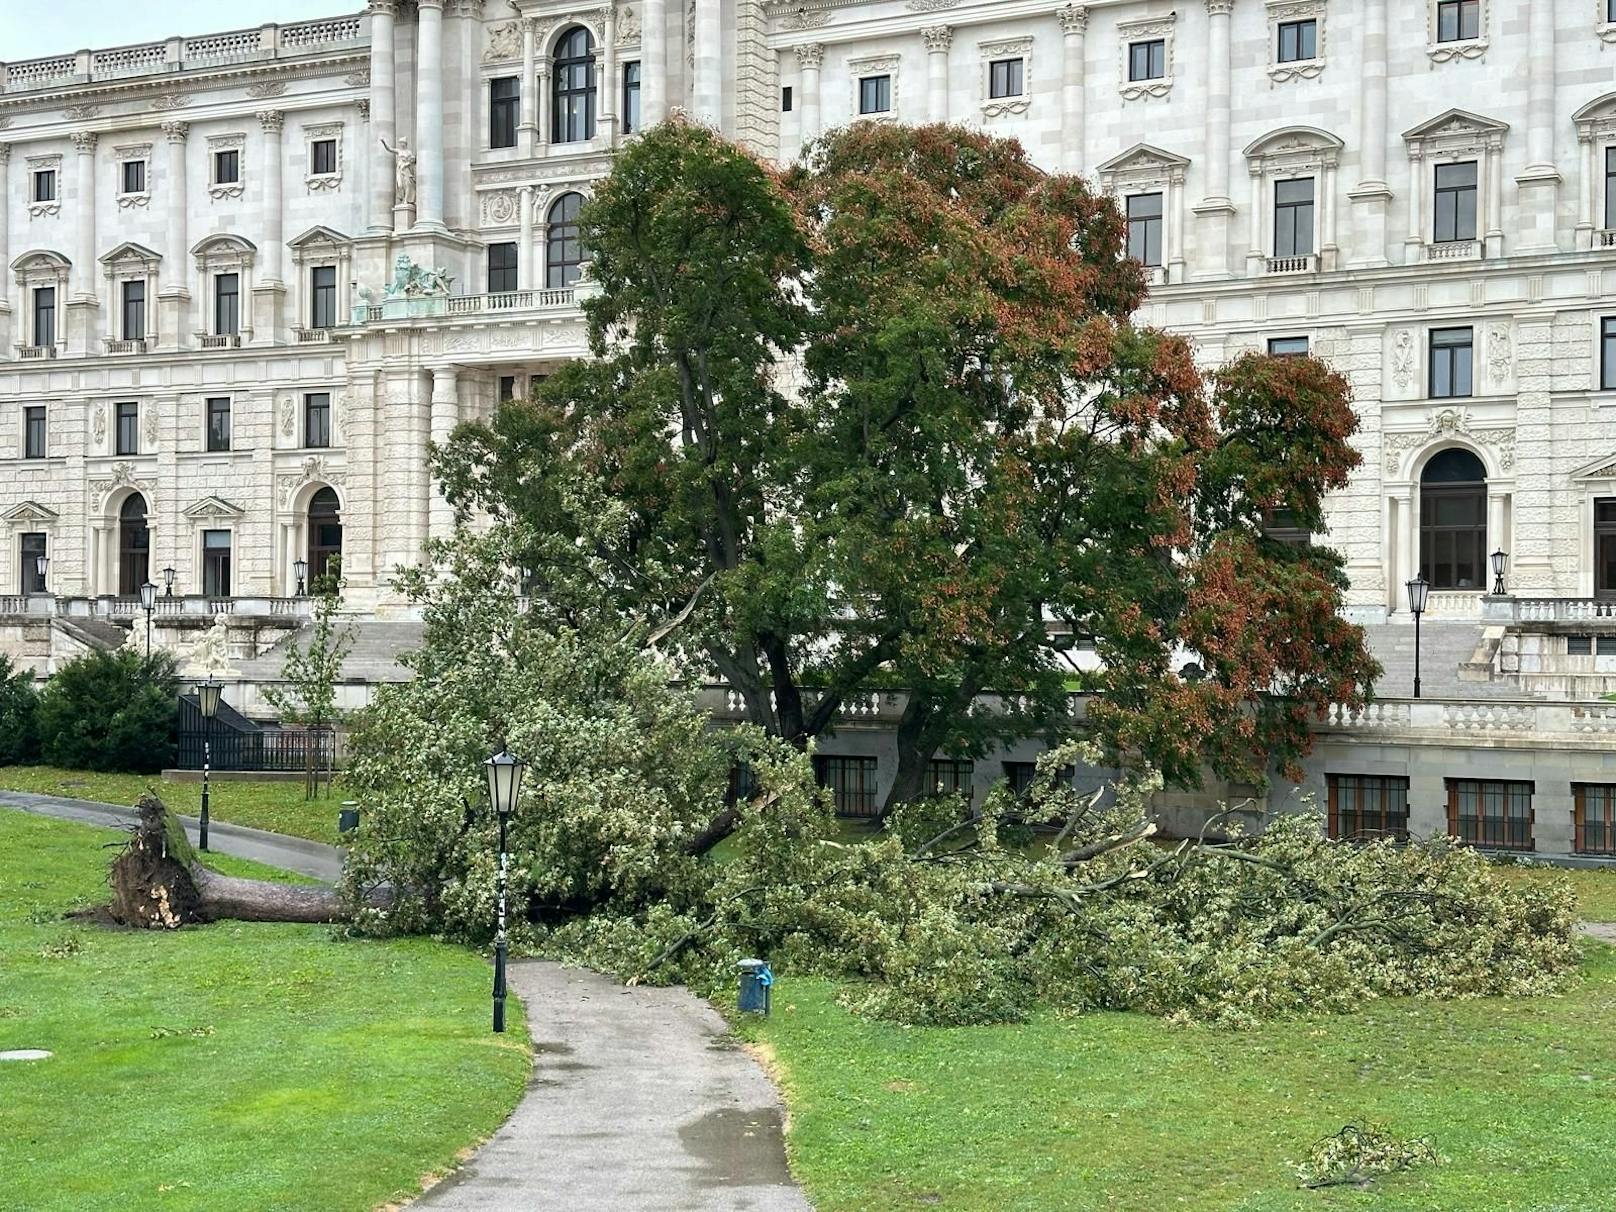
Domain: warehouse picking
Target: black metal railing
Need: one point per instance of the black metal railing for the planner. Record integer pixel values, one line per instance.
(1495, 832)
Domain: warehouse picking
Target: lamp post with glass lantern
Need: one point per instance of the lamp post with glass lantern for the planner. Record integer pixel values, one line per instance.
(1500, 562)
(42, 567)
(504, 783)
(148, 603)
(300, 570)
(168, 582)
(207, 698)
(1419, 589)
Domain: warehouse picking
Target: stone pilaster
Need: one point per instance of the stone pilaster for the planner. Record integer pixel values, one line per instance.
(269, 303)
(174, 326)
(939, 39)
(809, 59)
(1074, 35)
(1216, 210)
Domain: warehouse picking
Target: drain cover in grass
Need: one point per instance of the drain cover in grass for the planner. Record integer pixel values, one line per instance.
(24, 1054)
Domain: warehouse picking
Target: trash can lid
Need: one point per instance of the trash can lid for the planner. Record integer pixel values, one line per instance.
(752, 965)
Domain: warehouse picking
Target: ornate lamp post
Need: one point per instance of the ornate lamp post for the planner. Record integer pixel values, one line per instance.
(42, 566)
(168, 582)
(504, 784)
(1418, 591)
(300, 570)
(1500, 562)
(207, 698)
(148, 603)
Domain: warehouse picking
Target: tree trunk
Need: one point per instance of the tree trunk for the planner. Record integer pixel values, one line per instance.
(157, 883)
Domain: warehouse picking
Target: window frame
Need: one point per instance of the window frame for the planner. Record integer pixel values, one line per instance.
(1579, 815)
(632, 101)
(850, 796)
(125, 167)
(126, 427)
(1295, 27)
(323, 297)
(223, 156)
(1455, 192)
(504, 111)
(1512, 792)
(1450, 351)
(317, 420)
(42, 303)
(1388, 793)
(44, 186)
(211, 410)
(1159, 219)
(1007, 78)
(1459, 9)
(227, 325)
(881, 83)
(556, 237)
(509, 267)
(29, 579)
(573, 105)
(35, 431)
(1300, 228)
(217, 562)
(132, 309)
(1305, 351)
(325, 143)
(1155, 60)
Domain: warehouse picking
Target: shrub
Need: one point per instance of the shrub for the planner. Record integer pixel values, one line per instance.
(19, 715)
(114, 711)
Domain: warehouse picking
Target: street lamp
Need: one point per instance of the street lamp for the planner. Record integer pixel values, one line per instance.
(207, 698)
(504, 782)
(148, 603)
(1418, 590)
(1500, 562)
(168, 582)
(300, 569)
(42, 567)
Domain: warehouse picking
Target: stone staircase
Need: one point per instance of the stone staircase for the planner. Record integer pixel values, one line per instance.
(373, 656)
(1444, 647)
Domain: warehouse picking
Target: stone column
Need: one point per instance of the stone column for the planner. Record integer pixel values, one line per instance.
(1492, 167)
(445, 416)
(1257, 254)
(1588, 216)
(382, 120)
(524, 245)
(83, 302)
(1216, 209)
(654, 61)
(1371, 196)
(1414, 244)
(1539, 182)
(528, 130)
(938, 38)
(174, 325)
(429, 115)
(5, 249)
(1329, 247)
(809, 58)
(271, 286)
(543, 134)
(610, 84)
(1074, 29)
(707, 98)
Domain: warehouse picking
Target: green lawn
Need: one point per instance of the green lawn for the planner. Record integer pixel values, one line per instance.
(1595, 886)
(234, 1066)
(276, 806)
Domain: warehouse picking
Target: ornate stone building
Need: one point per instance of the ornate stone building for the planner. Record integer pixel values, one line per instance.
(212, 359)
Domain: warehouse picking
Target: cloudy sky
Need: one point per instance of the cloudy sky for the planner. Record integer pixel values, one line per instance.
(30, 30)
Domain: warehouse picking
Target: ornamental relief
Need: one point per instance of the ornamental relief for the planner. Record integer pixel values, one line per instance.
(628, 26)
(314, 469)
(169, 101)
(121, 476)
(499, 207)
(1444, 425)
(504, 43)
(1499, 355)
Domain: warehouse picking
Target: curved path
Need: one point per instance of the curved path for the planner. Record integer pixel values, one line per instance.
(639, 1101)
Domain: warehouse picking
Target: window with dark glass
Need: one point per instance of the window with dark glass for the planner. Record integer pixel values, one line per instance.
(33, 431)
(1457, 20)
(1145, 228)
(132, 176)
(1147, 60)
(1605, 547)
(504, 105)
(949, 776)
(851, 782)
(45, 185)
(32, 551)
(1283, 526)
(317, 418)
(1455, 202)
(785, 99)
(323, 296)
(1367, 806)
(1451, 362)
(134, 545)
(1020, 776)
(218, 423)
(325, 536)
(1494, 813)
(1006, 78)
(501, 267)
(1453, 521)
(44, 315)
(226, 305)
(1607, 353)
(574, 87)
(128, 436)
(323, 157)
(1589, 645)
(1610, 11)
(134, 310)
(507, 388)
(1610, 184)
(563, 248)
(216, 563)
(1595, 814)
(1293, 217)
(1298, 41)
(226, 167)
(1287, 347)
(631, 97)
(875, 94)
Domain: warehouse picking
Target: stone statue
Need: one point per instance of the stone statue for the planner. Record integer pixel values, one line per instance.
(403, 172)
(212, 651)
(410, 281)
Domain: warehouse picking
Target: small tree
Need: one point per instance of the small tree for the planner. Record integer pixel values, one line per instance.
(19, 715)
(311, 674)
(112, 711)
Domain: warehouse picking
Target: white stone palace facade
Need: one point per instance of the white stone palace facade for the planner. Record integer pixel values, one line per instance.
(220, 355)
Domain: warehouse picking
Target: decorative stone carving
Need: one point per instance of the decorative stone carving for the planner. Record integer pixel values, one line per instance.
(929, 6)
(358, 79)
(122, 475)
(1296, 10)
(98, 424)
(938, 38)
(170, 101)
(1129, 32)
(1468, 48)
(149, 428)
(211, 653)
(81, 113)
(85, 140)
(811, 55)
(5, 121)
(1073, 19)
(313, 468)
(504, 43)
(1445, 424)
(176, 131)
(272, 120)
(413, 281)
(499, 207)
(1499, 355)
(403, 172)
(266, 88)
(288, 416)
(1403, 359)
(628, 25)
(805, 18)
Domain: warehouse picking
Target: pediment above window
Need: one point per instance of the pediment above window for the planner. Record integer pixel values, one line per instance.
(1602, 468)
(1456, 131)
(1294, 147)
(132, 258)
(319, 239)
(1597, 119)
(1142, 164)
(213, 507)
(224, 252)
(41, 267)
(30, 511)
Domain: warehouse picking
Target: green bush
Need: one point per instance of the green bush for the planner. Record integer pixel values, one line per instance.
(112, 711)
(19, 715)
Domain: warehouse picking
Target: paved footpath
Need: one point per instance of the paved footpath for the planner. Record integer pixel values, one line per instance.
(639, 1100)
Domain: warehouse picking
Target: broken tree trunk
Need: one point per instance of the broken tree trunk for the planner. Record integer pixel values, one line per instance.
(158, 883)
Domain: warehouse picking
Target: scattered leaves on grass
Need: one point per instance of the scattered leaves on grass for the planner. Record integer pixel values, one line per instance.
(198, 1032)
(1358, 1153)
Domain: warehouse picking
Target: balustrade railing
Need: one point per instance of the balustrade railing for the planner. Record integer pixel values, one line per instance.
(36, 351)
(1291, 265)
(115, 346)
(311, 336)
(1454, 250)
(225, 341)
(1563, 610)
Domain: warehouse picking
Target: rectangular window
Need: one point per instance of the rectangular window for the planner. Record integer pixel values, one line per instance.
(1491, 813)
(504, 104)
(501, 267)
(1607, 353)
(317, 418)
(1455, 202)
(323, 296)
(216, 563)
(1610, 183)
(1145, 228)
(226, 305)
(33, 432)
(32, 550)
(45, 185)
(1595, 807)
(1287, 347)
(226, 167)
(631, 98)
(323, 157)
(132, 177)
(44, 315)
(785, 99)
(875, 94)
(218, 423)
(851, 781)
(507, 388)
(128, 429)
(1147, 60)
(1367, 806)
(1610, 11)
(1006, 78)
(1451, 356)
(1282, 526)
(949, 776)
(1579, 645)
(134, 310)
(1298, 41)
(1293, 218)
(1457, 20)
(1605, 547)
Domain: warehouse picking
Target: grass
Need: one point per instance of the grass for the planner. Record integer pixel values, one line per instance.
(230, 1066)
(276, 806)
(1595, 886)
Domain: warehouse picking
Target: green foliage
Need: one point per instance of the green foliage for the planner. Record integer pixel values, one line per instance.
(311, 674)
(111, 711)
(1358, 1153)
(19, 715)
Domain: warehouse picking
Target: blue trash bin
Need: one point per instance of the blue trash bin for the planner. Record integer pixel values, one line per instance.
(756, 981)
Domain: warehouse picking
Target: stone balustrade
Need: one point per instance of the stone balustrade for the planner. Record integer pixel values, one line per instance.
(126, 608)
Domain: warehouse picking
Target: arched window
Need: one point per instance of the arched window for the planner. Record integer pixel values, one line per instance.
(574, 86)
(325, 535)
(1453, 521)
(563, 249)
(134, 546)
